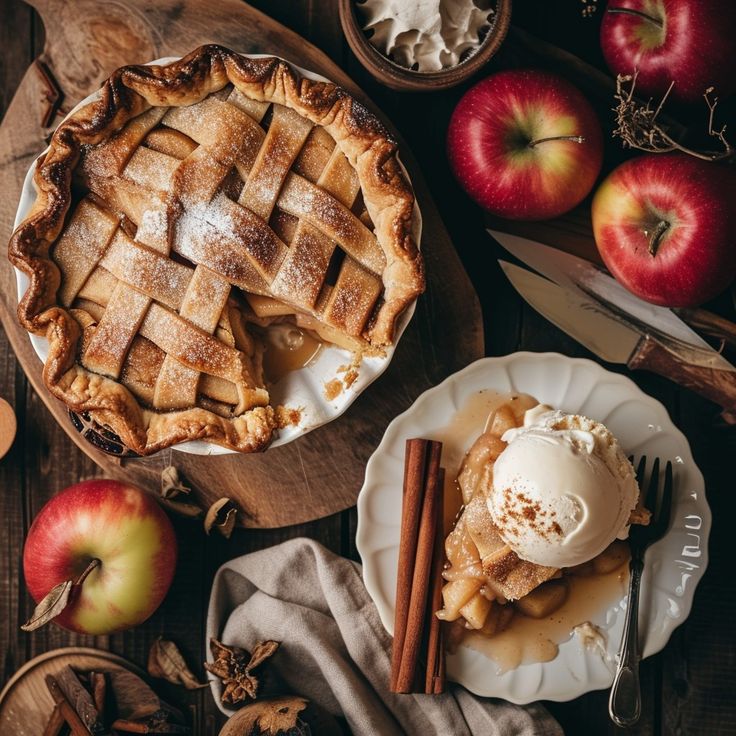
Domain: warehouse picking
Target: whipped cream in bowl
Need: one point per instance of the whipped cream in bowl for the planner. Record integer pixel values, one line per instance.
(426, 35)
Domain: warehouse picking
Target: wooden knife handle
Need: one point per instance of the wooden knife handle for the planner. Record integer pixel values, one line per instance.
(717, 385)
(709, 323)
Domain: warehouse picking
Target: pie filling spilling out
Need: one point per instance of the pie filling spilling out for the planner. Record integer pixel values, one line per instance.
(185, 213)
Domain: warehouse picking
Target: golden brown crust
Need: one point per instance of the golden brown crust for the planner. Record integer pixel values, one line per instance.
(129, 92)
(513, 576)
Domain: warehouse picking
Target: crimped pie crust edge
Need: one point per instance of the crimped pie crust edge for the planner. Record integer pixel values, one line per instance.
(129, 92)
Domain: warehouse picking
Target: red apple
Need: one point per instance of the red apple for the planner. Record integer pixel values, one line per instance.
(525, 145)
(690, 42)
(121, 526)
(665, 226)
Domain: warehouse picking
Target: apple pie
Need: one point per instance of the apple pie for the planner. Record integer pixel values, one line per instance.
(484, 573)
(186, 209)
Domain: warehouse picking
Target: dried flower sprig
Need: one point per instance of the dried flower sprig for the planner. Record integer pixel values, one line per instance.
(638, 127)
(590, 7)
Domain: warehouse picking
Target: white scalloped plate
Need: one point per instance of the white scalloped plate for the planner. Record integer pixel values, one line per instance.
(305, 387)
(674, 565)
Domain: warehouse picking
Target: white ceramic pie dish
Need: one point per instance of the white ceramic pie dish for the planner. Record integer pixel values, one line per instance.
(674, 565)
(303, 388)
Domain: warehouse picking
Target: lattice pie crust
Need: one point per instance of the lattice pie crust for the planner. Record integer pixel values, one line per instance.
(190, 201)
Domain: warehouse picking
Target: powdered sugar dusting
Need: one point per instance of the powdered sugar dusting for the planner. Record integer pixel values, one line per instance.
(305, 200)
(223, 223)
(107, 349)
(187, 204)
(153, 229)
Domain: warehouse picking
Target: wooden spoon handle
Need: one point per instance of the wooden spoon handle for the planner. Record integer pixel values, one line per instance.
(715, 384)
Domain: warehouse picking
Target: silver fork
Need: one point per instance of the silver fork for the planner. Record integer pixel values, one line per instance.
(624, 704)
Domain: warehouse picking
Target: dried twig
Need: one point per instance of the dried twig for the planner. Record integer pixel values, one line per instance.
(638, 126)
(53, 97)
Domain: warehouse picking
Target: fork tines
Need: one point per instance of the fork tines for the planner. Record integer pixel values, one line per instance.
(660, 512)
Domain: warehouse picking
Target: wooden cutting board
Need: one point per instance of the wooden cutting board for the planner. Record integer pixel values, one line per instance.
(320, 473)
(25, 701)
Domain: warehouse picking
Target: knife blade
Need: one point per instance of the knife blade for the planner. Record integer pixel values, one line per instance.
(614, 340)
(575, 314)
(572, 272)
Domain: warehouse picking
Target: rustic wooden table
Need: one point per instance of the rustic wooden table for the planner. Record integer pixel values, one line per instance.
(688, 688)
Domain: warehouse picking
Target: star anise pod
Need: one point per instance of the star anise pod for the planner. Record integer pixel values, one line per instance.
(234, 666)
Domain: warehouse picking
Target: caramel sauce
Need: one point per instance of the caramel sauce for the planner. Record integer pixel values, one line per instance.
(466, 424)
(287, 348)
(527, 639)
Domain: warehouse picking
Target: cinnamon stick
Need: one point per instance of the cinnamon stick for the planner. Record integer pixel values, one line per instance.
(98, 685)
(56, 723)
(434, 681)
(441, 677)
(80, 699)
(67, 711)
(413, 498)
(130, 726)
(422, 568)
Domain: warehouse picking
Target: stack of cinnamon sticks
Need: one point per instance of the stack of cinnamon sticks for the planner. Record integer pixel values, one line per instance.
(418, 654)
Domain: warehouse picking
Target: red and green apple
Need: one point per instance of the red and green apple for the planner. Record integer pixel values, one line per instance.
(688, 42)
(525, 144)
(121, 526)
(665, 226)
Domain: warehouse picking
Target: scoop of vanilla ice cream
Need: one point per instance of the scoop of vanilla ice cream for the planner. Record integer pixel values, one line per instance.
(562, 489)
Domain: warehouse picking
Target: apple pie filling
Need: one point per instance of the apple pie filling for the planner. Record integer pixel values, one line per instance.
(511, 609)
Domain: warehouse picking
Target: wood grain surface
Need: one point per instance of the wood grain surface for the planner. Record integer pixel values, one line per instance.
(25, 701)
(688, 688)
(321, 474)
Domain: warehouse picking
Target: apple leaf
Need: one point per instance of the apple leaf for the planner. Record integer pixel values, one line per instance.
(221, 516)
(171, 484)
(166, 662)
(50, 606)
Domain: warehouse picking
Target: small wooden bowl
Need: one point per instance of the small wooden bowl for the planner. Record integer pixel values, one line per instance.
(398, 77)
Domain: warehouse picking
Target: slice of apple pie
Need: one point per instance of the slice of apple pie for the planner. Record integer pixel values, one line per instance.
(484, 573)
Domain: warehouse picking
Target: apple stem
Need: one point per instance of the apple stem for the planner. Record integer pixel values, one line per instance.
(574, 138)
(630, 11)
(655, 239)
(94, 563)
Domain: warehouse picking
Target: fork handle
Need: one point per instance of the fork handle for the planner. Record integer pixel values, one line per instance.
(624, 704)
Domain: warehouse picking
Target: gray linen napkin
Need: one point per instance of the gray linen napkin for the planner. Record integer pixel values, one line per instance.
(335, 651)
